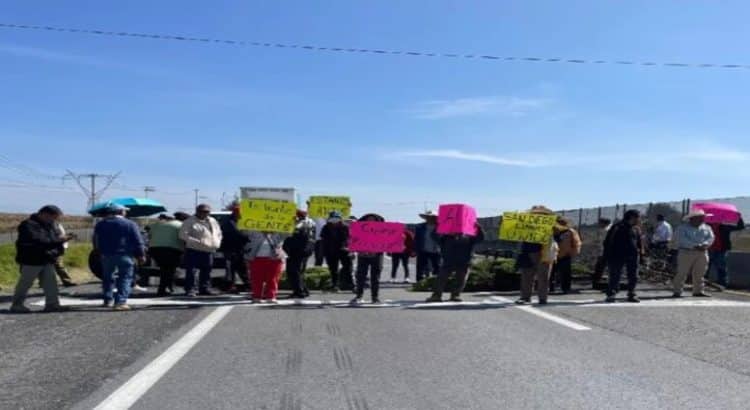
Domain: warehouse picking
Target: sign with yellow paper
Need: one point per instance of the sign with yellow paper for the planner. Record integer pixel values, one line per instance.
(267, 215)
(321, 206)
(527, 227)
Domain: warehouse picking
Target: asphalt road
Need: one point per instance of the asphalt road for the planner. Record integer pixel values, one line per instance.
(576, 353)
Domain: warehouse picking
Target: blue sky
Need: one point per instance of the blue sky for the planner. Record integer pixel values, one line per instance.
(394, 132)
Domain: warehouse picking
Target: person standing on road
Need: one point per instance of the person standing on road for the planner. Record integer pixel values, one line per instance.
(623, 248)
(535, 261)
(38, 246)
(403, 257)
(266, 260)
(62, 273)
(694, 238)
(335, 237)
(299, 247)
(368, 263)
(603, 227)
(569, 243)
(119, 241)
(427, 248)
(717, 253)
(202, 236)
(233, 242)
(166, 248)
(457, 251)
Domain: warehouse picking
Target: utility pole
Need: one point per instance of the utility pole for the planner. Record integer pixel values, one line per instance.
(148, 189)
(196, 196)
(91, 193)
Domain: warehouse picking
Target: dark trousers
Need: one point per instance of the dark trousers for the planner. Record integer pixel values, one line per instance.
(562, 274)
(615, 272)
(462, 274)
(599, 268)
(427, 262)
(236, 266)
(319, 254)
(203, 261)
(339, 262)
(374, 266)
(399, 259)
(295, 272)
(168, 260)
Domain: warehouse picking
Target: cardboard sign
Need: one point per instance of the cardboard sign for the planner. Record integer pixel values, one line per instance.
(720, 213)
(526, 227)
(457, 219)
(377, 237)
(321, 206)
(281, 194)
(267, 215)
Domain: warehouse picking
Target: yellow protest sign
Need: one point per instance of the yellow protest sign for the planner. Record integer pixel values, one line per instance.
(321, 206)
(527, 227)
(267, 215)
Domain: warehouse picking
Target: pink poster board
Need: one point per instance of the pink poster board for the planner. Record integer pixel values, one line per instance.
(720, 212)
(376, 237)
(457, 219)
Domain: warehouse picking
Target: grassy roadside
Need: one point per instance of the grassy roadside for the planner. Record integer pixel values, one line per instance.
(76, 260)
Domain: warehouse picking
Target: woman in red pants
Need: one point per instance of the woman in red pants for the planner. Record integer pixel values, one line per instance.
(266, 261)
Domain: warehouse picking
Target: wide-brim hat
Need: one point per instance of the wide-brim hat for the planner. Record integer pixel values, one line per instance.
(696, 213)
(428, 215)
(540, 209)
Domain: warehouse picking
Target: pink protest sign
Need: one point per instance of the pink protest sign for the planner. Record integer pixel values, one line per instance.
(376, 237)
(720, 212)
(457, 219)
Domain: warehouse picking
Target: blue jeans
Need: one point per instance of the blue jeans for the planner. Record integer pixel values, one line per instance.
(718, 260)
(615, 272)
(124, 266)
(203, 261)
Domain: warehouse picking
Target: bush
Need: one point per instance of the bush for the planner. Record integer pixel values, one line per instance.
(316, 278)
(581, 271)
(484, 276)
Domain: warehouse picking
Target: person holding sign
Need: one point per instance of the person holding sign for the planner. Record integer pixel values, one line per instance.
(428, 250)
(266, 261)
(536, 258)
(457, 248)
(368, 262)
(335, 237)
(299, 247)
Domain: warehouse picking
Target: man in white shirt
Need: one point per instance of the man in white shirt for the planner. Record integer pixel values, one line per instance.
(662, 233)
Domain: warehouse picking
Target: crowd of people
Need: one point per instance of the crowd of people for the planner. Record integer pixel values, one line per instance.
(257, 259)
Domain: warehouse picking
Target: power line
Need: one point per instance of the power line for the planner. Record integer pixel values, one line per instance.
(91, 192)
(468, 56)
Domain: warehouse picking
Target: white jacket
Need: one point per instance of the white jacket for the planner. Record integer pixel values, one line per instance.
(201, 235)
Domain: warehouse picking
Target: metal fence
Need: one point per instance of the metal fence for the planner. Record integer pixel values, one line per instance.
(84, 235)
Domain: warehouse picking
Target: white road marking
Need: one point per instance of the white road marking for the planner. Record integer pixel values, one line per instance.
(130, 392)
(545, 315)
(687, 302)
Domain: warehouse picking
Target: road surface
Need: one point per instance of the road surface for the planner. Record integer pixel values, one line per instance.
(484, 353)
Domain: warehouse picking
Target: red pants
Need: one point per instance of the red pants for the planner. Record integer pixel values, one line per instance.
(265, 271)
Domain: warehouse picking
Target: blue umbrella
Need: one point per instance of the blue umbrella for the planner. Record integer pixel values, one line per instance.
(137, 207)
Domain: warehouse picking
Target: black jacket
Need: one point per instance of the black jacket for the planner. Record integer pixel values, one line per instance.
(726, 234)
(233, 240)
(623, 242)
(301, 244)
(335, 237)
(38, 243)
(457, 250)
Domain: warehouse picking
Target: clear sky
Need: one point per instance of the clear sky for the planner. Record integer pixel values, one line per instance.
(394, 132)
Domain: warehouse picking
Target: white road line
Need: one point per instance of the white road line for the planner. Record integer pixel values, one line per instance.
(141, 382)
(545, 315)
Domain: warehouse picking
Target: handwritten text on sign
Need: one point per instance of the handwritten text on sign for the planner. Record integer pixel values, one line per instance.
(457, 219)
(526, 227)
(267, 215)
(376, 237)
(321, 206)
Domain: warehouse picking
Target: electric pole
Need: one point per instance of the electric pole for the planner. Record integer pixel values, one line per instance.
(196, 196)
(148, 189)
(91, 193)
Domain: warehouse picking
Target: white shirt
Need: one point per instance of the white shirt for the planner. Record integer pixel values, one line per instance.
(663, 232)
